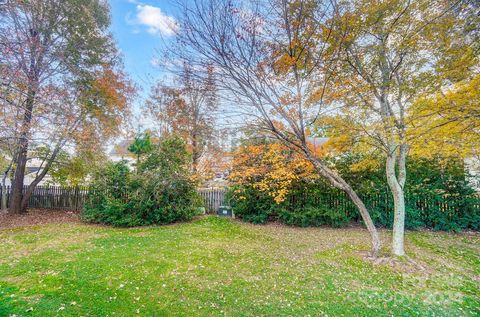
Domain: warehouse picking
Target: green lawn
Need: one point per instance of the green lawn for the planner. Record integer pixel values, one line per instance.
(219, 267)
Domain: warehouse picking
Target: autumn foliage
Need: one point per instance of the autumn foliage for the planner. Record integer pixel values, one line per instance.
(270, 168)
(448, 123)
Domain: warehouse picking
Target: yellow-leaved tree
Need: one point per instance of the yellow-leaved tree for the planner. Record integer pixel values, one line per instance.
(448, 123)
(271, 168)
(393, 54)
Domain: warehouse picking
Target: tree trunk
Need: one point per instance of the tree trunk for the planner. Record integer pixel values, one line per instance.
(28, 193)
(340, 183)
(4, 192)
(21, 159)
(365, 217)
(195, 153)
(17, 186)
(396, 185)
(38, 179)
(6, 174)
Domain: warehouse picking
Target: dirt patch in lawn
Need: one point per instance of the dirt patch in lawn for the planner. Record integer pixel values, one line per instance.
(35, 217)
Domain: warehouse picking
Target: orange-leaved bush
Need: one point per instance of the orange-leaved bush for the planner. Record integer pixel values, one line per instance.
(270, 168)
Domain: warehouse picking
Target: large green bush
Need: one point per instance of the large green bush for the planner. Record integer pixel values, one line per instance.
(438, 196)
(160, 192)
(313, 216)
(254, 206)
(251, 205)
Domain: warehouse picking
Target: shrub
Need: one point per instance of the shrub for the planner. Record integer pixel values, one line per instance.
(257, 207)
(313, 216)
(250, 205)
(161, 192)
(438, 196)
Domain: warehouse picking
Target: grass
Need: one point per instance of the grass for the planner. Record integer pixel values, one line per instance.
(219, 267)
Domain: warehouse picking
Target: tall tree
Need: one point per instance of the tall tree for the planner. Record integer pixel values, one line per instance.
(275, 60)
(187, 110)
(393, 53)
(61, 60)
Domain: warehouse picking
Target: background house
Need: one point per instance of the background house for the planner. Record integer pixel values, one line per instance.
(120, 152)
(472, 165)
(33, 167)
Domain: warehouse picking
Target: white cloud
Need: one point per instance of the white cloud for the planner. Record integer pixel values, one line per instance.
(156, 21)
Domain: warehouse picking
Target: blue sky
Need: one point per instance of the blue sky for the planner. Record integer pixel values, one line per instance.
(140, 28)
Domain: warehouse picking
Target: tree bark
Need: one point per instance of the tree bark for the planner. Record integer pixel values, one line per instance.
(4, 186)
(4, 192)
(365, 217)
(17, 186)
(195, 155)
(396, 185)
(38, 179)
(21, 159)
(338, 182)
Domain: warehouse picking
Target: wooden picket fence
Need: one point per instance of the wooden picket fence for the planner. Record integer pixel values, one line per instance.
(213, 198)
(426, 204)
(55, 197)
(74, 198)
